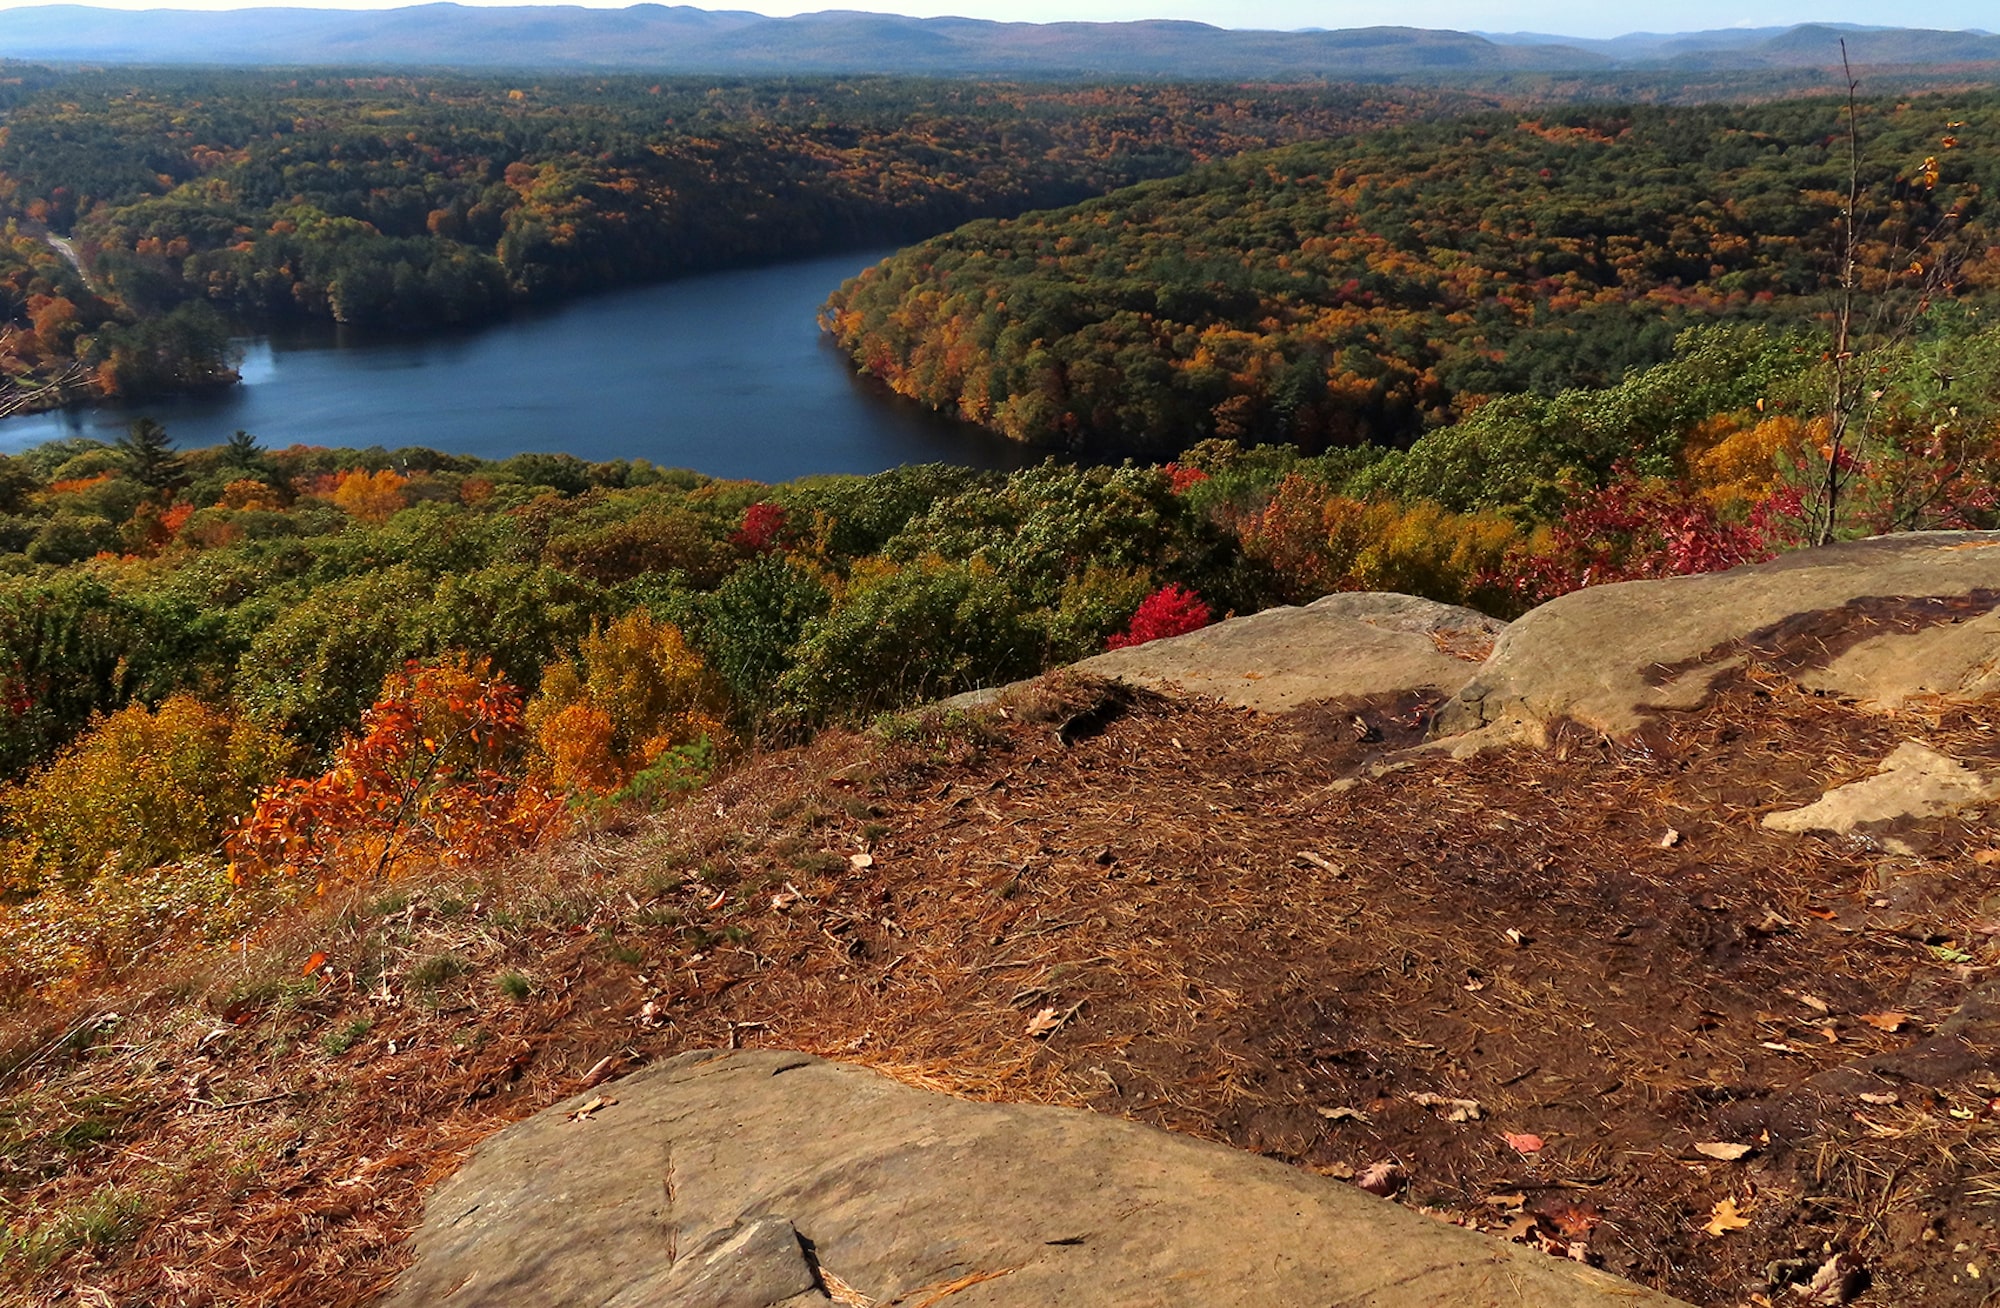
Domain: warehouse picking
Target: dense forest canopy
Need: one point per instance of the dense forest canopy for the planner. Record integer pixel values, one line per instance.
(410, 201)
(1371, 288)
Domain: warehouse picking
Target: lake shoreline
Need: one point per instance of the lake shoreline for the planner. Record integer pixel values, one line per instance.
(728, 374)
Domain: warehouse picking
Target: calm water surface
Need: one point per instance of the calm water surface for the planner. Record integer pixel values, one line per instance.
(727, 374)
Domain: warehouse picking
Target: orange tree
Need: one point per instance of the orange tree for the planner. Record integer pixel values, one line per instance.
(431, 776)
(634, 692)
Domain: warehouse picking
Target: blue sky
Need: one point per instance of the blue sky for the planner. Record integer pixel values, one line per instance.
(1569, 17)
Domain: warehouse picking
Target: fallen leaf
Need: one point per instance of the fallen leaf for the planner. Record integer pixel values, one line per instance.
(1778, 1045)
(1525, 1144)
(1343, 1114)
(1516, 939)
(721, 898)
(861, 860)
(1724, 1218)
(598, 1071)
(1522, 1227)
(1044, 1022)
(313, 964)
(1670, 839)
(1987, 858)
(1574, 1221)
(1883, 1099)
(1726, 1153)
(1950, 954)
(598, 1103)
(1813, 1002)
(1383, 1178)
(1456, 1110)
(1961, 1114)
(1886, 1021)
(1839, 1279)
(1514, 1200)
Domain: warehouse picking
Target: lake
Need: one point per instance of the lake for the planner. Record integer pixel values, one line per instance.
(726, 373)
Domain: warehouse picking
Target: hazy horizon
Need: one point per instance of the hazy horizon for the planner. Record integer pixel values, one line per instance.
(1576, 18)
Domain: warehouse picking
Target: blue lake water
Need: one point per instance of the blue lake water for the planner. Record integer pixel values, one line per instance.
(726, 373)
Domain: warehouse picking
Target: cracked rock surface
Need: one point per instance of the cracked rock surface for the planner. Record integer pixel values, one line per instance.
(757, 1178)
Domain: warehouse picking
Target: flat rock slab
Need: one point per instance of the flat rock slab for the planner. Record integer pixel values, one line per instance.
(756, 1178)
(1360, 645)
(1880, 620)
(1915, 781)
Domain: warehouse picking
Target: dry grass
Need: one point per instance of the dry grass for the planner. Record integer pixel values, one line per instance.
(1230, 947)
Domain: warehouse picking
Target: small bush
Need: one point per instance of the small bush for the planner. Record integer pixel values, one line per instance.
(1168, 611)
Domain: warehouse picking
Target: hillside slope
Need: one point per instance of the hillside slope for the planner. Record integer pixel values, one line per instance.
(1370, 287)
(1555, 985)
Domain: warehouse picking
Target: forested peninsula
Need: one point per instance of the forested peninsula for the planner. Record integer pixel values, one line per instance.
(1373, 288)
(150, 210)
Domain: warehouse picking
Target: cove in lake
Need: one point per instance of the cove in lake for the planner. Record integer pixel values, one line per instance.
(727, 374)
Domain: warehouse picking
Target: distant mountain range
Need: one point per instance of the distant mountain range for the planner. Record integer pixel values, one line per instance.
(683, 39)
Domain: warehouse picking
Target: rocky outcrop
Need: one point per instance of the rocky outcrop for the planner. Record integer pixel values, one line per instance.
(1354, 645)
(1879, 620)
(756, 1179)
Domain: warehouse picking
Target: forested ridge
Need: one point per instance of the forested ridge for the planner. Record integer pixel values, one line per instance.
(192, 196)
(1371, 288)
(1485, 360)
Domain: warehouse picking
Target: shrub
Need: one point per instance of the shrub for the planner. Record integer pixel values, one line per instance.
(144, 787)
(634, 691)
(1168, 611)
(430, 778)
(908, 633)
(752, 621)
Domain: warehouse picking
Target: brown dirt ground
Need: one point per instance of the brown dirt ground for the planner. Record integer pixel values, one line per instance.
(1234, 945)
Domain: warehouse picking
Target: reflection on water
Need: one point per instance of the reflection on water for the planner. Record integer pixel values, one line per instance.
(727, 374)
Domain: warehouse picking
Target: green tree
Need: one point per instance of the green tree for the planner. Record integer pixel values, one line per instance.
(150, 456)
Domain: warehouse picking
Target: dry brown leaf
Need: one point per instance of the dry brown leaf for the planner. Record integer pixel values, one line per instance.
(1726, 1153)
(1456, 1110)
(598, 1071)
(1574, 1221)
(597, 1104)
(1838, 1279)
(1881, 1099)
(1523, 1143)
(1886, 1021)
(1044, 1022)
(1343, 1114)
(1724, 1218)
(1987, 858)
(1383, 1178)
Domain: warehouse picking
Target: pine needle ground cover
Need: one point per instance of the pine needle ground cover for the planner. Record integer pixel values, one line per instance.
(1576, 997)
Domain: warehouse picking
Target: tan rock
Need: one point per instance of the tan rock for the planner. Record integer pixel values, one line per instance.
(755, 1179)
(1359, 644)
(1881, 619)
(1915, 781)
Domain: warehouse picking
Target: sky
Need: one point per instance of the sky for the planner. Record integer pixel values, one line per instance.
(1592, 18)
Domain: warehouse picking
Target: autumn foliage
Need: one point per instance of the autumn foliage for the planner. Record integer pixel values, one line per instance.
(1169, 611)
(634, 691)
(430, 777)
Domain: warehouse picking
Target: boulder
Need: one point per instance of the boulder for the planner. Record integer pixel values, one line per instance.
(1360, 645)
(753, 1179)
(1879, 620)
